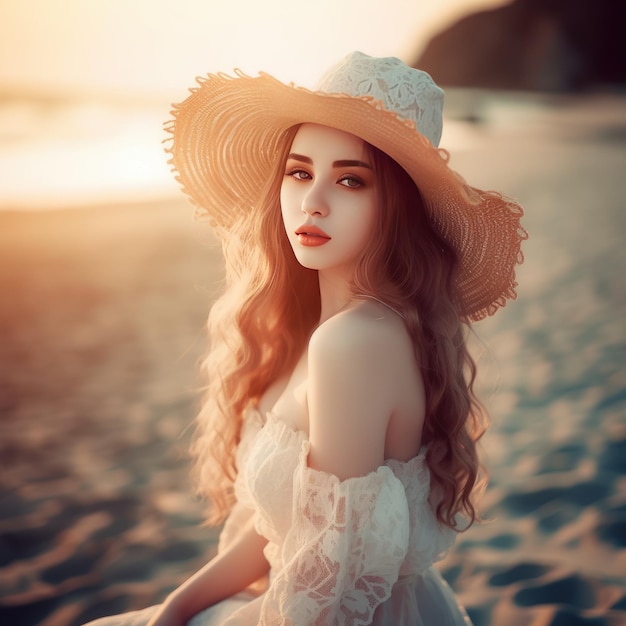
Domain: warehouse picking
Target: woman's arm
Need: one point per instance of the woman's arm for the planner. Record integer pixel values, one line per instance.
(351, 393)
(231, 571)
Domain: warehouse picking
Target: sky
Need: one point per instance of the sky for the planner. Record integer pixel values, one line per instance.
(89, 150)
(156, 47)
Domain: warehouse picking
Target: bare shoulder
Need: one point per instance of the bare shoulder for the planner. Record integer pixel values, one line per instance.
(366, 346)
(366, 329)
(360, 366)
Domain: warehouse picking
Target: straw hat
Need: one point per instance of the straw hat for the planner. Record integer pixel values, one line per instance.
(225, 137)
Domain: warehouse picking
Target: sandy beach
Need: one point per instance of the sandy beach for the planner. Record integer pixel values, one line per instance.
(102, 314)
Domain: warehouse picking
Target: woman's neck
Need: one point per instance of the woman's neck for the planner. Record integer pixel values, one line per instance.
(335, 294)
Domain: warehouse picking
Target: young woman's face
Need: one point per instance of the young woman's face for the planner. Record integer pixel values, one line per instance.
(328, 198)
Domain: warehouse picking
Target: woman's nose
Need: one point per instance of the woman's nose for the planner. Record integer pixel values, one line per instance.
(315, 201)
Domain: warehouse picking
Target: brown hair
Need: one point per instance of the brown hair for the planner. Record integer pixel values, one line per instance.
(413, 269)
(257, 330)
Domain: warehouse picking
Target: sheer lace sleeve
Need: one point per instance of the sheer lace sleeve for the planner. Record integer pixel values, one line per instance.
(343, 551)
(430, 540)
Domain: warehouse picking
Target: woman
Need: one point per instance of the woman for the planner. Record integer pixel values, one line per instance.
(338, 437)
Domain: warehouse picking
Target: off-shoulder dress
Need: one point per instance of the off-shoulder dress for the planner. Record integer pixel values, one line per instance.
(352, 552)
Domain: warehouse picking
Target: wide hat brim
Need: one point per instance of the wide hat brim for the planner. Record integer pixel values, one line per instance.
(225, 138)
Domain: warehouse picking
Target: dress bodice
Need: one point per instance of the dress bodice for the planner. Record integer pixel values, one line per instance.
(336, 547)
(273, 453)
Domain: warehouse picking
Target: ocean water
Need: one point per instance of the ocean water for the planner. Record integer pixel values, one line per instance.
(67, 153)
(61, 152)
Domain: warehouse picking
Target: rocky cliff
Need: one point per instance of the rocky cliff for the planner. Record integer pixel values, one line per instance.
(547, 45)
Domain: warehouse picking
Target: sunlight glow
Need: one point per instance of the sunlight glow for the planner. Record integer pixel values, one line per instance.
(86, 84)
(157, 46)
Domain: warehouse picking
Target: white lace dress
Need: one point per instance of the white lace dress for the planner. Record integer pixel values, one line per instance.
(352, 552)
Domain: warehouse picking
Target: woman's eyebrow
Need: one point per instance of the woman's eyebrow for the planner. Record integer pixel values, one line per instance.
(351, 163)
(300, 157)
(342, 163)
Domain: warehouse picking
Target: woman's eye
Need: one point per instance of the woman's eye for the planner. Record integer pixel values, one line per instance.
(299, 174)
(352, 182)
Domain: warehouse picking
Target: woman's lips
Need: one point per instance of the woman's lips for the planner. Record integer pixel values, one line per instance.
(312, 236)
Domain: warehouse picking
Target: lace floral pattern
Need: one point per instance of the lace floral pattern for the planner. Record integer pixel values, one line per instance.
(409, 92)
(336, 548)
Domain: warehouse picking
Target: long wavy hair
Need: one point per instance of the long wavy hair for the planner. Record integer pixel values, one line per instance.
(262, 323)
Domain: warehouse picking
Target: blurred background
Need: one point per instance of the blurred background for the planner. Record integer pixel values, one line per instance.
(105, 284)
